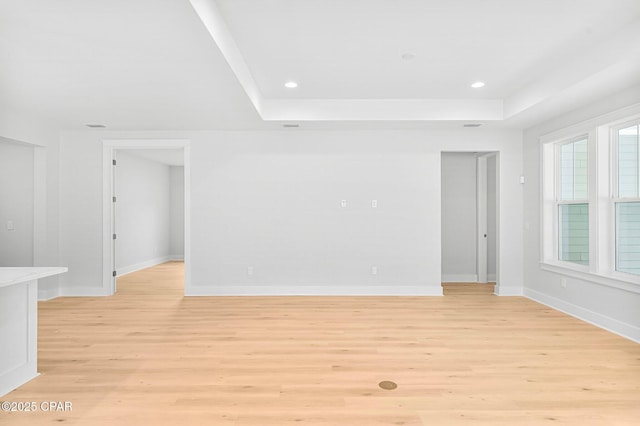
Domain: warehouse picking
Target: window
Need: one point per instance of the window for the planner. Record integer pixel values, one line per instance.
(573, 202)
(591, 201)
(627, 200)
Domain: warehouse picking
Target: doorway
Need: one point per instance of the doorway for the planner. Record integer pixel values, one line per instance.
(146, 207)
(469, 201)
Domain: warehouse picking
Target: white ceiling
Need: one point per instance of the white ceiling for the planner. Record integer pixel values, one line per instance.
(353, 49)
(152, 64)
(143, 64)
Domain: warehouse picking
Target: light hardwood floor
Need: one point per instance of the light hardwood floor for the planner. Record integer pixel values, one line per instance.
(149, 356)
(458, 289)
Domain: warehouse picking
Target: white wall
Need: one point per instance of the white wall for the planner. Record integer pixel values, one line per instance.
(608, 307)
(177, 213)
(459, 212)
(271, 200)
(46, 215)
(143, 212)
(16, 204)
(44, 139)
(81, 214)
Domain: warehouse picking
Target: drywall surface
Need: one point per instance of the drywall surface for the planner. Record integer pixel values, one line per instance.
(267, 213)
(176, 245)
(16, 204)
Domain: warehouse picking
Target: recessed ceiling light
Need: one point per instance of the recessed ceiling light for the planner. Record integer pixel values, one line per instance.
(408, 56)
(291, 85)
(96, 126)
(478, 84)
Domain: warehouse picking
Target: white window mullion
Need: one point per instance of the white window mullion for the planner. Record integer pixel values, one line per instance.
(603, 178)
(597, 154)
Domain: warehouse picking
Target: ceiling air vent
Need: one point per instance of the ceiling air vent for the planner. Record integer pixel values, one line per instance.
(472, 125)
(290, 126)
(96, 126)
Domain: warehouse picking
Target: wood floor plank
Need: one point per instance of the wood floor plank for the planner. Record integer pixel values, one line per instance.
(149, 356)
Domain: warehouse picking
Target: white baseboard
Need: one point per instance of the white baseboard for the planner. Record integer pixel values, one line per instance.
(314, 290)
(620, 328)
(508, 291)
(124, 270)
(99, 291)
(459, 278)
(45, 294)
(48, 288)
(82, 292)
(176, 257)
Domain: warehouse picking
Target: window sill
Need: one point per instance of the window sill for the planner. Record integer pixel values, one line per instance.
(617, 280)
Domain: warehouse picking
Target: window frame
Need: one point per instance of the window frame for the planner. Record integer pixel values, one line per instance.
(602, 178)
(615, 192)
(558, 194)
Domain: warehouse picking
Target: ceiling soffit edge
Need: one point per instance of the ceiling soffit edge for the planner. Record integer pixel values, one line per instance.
(530, 97)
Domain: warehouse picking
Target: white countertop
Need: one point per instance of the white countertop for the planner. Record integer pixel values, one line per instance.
(17, 275)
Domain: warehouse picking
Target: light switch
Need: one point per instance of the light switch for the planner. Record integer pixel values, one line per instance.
(374, 270)
(374, 204)
(343, 203)
(10, 225)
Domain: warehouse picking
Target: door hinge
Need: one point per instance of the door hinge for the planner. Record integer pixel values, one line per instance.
(114, 236)
(114, 162)
(114, 199)
(114, 273)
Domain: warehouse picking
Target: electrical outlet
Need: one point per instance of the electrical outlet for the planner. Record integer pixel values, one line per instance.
(563, 282)
(250, 270)
(374, 270)
(374, 204)
(343, 203)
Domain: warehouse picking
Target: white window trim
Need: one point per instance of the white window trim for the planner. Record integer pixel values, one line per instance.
(602, 262)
